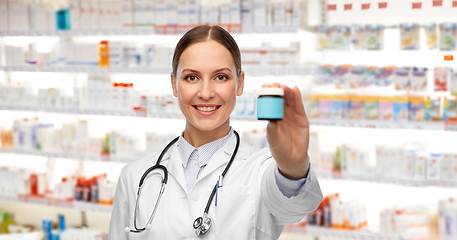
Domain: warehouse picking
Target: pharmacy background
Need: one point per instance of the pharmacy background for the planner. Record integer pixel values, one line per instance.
(85, 89)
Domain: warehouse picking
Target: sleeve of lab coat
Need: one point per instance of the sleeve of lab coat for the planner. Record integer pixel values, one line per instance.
(120, 213)
(289, 210)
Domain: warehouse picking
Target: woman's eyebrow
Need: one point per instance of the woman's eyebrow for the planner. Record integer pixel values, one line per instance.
(190, 70)
(215, 71)
(222, 69)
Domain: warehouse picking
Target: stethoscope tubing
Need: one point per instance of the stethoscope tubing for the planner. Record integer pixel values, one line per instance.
(165, 180)
(157, 165)
(162, 188)
(208, 204)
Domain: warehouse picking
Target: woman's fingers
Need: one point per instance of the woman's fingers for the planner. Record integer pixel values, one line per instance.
(299, 107)
(274, 85)
(289, 103)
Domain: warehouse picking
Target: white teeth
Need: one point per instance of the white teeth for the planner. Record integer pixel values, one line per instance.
(206, 109)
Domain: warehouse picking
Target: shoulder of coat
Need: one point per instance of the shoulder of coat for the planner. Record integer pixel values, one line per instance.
(259, 154)
(142, 163)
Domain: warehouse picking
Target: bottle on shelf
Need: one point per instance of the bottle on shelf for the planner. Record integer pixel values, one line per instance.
(103, 51)
(63, 16)
(6, 222)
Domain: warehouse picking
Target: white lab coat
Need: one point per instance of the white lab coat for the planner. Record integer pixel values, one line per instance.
(249, 205)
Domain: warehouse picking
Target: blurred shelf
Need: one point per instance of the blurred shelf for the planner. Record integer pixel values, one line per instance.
(91, 112)
(138, 31)
(74, 33)
(397, 181)
(22, 236)
(348, 234)
(88, 70)
(245, 118)
(108, 112)
(320, 174)
(279, 70)
(249, 70)
(81, 206)
(375, 124)
(77, 156)
(270, 29)
(70, 111)
(94, 207)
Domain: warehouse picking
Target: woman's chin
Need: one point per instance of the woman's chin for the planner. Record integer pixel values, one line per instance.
(207, 124)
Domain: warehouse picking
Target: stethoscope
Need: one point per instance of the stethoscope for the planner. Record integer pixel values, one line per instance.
(201, 224)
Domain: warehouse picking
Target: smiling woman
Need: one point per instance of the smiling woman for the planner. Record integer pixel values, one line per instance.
(206, 79)
(206, 84)
(255, 192)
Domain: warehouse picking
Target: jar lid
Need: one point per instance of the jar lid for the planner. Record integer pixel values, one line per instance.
(270, 91)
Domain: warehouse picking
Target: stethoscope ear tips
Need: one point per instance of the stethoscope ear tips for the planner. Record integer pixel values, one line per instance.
(148, 227)
(127, 229)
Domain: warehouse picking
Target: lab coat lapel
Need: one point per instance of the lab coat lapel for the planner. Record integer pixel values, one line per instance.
(175, 168)
(222, 157)
(218, 160)
(243, 150)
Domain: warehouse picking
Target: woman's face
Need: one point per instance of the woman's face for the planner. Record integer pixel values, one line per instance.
(206, 84)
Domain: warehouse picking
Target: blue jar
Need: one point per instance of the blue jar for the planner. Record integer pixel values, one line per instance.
(270, 104)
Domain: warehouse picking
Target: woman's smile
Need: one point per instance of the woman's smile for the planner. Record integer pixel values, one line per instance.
(206, 109)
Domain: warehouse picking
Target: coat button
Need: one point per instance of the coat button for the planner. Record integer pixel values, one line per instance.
(195, 196)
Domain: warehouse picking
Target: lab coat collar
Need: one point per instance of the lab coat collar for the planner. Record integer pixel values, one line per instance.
(243, 150)
(172, 160)
(174, 165)
(223, 155)
(206, 151)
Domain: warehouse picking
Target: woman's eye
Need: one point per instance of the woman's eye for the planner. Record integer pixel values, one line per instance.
(221, 77)
(191, 78)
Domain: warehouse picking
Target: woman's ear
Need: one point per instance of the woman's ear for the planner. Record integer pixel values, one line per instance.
(173, 85)
(239, 90)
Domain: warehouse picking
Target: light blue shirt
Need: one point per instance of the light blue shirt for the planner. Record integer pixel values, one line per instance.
(194, 160)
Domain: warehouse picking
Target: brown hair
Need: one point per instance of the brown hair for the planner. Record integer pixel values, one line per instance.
(203, 33)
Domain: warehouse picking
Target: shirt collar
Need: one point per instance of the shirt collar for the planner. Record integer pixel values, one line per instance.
(205, 152)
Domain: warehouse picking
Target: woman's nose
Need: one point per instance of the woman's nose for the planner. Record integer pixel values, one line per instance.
(206, 91)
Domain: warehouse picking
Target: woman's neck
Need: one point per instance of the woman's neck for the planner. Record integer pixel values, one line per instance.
(198, 138)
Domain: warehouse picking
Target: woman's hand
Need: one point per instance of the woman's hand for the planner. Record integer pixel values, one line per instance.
(289, 138)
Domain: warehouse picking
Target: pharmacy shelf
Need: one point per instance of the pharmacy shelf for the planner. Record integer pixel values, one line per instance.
(438, 126)
(90, 112)
(70, 111)
(77, 156)
(279, 70)
(93, 207)
(132, 32)
(373, 124)
(347, 234)
(88, 70)
(388, 180)
(249, 70)
(81, 206)
(75, 33)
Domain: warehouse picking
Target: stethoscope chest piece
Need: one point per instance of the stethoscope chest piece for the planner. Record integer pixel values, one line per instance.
(202, 225)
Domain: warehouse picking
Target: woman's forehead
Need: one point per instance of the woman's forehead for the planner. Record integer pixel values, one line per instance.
(207, 55)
